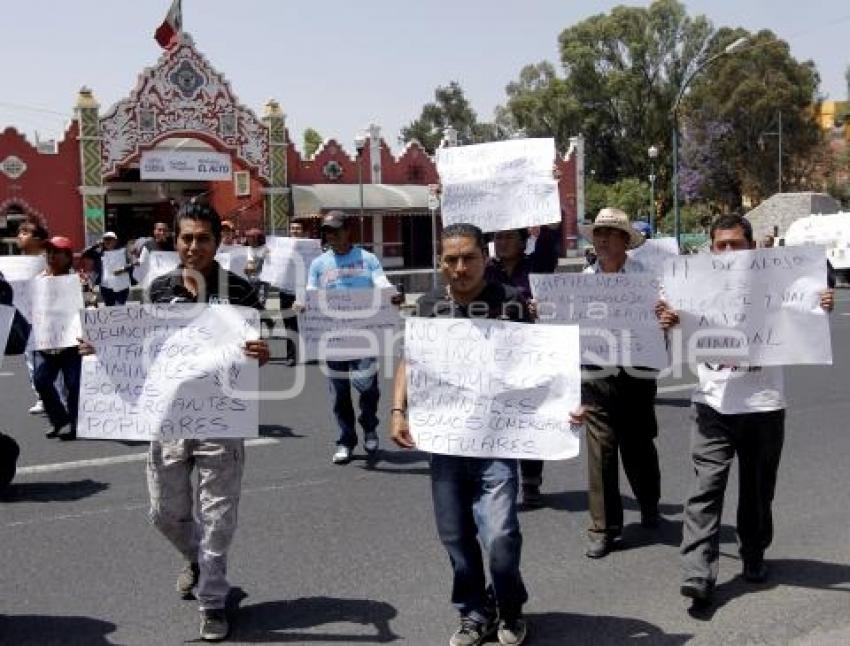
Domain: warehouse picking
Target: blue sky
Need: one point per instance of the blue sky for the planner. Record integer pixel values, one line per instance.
(337, 65)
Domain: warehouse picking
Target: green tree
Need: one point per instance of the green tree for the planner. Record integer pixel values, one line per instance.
(312, 142)
(630, 194)
(450, 108)
(747, 91)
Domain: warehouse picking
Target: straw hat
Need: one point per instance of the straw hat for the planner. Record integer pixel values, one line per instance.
(612, 218)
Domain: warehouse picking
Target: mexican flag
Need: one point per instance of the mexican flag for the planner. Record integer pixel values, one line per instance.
(167, 32)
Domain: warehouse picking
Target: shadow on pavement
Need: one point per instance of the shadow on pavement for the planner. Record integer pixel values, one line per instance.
(44, 630)
(559, 628)
(798, 573)
(577, 501)
(277, 622)
(384, 460)
(277, 430)
(52, 491)
(673, 401)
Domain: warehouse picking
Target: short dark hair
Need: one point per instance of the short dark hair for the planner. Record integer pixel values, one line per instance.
(200, 212)
(464, 230)
(35, 226)
(732, 221)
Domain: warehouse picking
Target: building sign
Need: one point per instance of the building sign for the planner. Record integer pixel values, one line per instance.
(187, 165)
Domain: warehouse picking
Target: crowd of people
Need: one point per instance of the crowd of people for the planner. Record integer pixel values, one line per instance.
(740, 412)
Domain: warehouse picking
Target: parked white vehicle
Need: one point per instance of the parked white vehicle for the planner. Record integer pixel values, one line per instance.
(832, 231)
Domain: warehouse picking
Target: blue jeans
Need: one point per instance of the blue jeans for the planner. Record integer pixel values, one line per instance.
(476, 498)
(363, 375)
(48, 365)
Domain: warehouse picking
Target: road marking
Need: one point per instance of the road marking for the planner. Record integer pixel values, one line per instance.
(115, 459)
(677, 388)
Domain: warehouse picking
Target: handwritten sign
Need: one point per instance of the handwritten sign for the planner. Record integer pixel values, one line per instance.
(169, 372)
(7, 315)
(340, 324)
(760, 306)
(233, 258)
(154, 264)
(113, 261)
(654, 252)
(21, 267)
(492, 389)
(287, 264)
(615, 314)
(498, 186)
(55, 313)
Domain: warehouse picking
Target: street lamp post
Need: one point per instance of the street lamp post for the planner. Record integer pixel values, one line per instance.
(652, 151)
(732, 47)
(360, 145)
(777, 134)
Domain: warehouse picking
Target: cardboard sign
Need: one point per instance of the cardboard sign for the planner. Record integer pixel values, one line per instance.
(499, 186)
(287, 264)
(111, 262)
(55, 314)
(492, 389)
(169, 372)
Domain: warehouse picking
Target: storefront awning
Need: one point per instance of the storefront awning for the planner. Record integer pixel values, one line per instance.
(314, 199)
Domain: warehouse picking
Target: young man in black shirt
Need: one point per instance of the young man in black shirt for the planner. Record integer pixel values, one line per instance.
(473, 497)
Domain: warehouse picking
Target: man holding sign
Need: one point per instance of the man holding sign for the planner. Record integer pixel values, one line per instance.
(203, 543)
(57, 300)
(345, 266)
(620, 405)
(740, 410)
(474, 497)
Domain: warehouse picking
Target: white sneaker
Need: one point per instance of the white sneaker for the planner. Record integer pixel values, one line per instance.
(370, 442)
(37, 408)
(342, 455)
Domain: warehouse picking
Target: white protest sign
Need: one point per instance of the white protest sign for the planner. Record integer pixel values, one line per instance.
(7, 315)
(111, 262)
(233, 258)
(153, 264)
(21, 267)
(615, 314)
(169, 372)
(492, 389)
(341, 324)
(760, 307)
(653, 252)
(185, 165)
(287, 264)
(501, 185)
(55, 313)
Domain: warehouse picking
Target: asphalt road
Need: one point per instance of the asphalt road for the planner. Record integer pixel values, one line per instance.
(348, 555)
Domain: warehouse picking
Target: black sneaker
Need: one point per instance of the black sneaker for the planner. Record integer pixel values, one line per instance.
(214, 626)
(599, 547)
(472, 632)
(754, 571)
(187, 580)
(698, 589)
(512, 632)
(531, 496)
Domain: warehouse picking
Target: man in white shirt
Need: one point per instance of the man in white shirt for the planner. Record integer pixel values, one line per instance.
(740, 410)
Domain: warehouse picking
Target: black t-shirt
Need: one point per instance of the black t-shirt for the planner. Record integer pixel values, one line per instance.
(496, 301)
(223, 287)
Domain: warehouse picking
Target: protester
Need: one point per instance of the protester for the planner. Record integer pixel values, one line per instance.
(474, 498)
(31, 240)
(620, 409)
(228, 233)
(161, 240)
(287, 300)
(257, 252)
(50, 363)
(94, 255)
(344, 266)
(512, 264)
(740, 410)
(203, 539)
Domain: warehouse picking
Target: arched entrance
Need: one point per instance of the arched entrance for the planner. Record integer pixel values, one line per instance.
(181, 98)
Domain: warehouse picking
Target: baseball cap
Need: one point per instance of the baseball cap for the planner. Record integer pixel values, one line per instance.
(110, 234)
(334, 220)
(61, 243)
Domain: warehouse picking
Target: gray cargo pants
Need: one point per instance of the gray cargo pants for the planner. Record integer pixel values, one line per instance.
(756, 438)
(203, 537)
